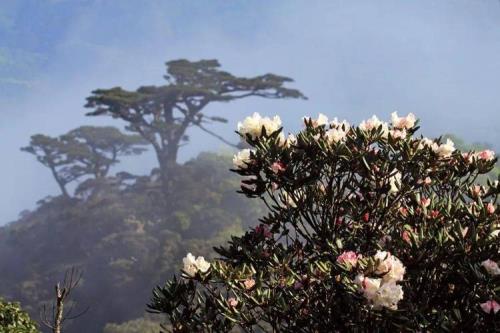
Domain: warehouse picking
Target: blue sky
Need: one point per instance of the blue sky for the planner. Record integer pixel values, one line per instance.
(437, 59)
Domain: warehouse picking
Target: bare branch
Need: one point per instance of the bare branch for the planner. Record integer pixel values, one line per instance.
(72, 278)
(216, 136)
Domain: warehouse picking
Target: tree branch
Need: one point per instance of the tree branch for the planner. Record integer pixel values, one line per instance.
(216, 136)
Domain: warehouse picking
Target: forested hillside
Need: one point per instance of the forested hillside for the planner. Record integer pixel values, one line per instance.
(128, 233)
(123, 240)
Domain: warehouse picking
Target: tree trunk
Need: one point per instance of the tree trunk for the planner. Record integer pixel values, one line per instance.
(168, 165)
(59, 182)
(58, 318)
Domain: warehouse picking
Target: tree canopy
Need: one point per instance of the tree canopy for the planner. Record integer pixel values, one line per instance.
(14, 320)
(96, 149)
(54, 154)
(83, 152)
(163, 114)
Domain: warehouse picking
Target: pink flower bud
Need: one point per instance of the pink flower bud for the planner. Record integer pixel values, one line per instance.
(366, 217)
(490, 306)
(476, 191)
(278, 167)
(486, 155)
(490, 208)
(249, 283)
(425, 202)
(263, 230)
(406, 236)
(348, 257)
(434, 214)
(233, 302)
(403, 211)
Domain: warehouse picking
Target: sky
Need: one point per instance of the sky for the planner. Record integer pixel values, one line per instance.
(437, 59)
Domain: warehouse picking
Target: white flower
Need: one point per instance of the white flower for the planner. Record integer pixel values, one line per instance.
(291, 140)
(426, 142)
(374, 122)
(384, 262)
(388, 296)
(445, 149)
(343, 125)
(282, 140)
(253, 125)
(335, 135)
(358, 280)
(395, 182)
(369, 286)
(390, 266)
(202, 264)
(491, 267)
(242, 158)
(403, 122)
(192, 265)
(397, 271)
(322, 120)
(398, 133)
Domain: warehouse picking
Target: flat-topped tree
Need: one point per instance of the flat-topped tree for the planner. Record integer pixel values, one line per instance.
(96, 149)
(53, 154)
(83, 152)
(162, 114)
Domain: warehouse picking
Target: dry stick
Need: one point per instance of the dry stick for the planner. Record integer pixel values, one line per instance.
(71, 280)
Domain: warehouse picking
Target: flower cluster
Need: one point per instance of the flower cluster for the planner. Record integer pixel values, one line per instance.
(253, 125)
(484, 155)
(374, 123)
(382, 291)
(242, 158)
(194, 265)
(418, 216)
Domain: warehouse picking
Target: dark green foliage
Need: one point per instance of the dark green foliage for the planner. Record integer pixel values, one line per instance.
(122, 241)
(14, 320)
(327, 198)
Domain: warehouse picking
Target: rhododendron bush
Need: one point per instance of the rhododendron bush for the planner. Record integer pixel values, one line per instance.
(370, 228)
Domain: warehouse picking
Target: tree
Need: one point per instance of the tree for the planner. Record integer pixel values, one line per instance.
(163, 114)
(96, 149)
(53, 154)
(84, 151)
(370, 229)
(14, 320)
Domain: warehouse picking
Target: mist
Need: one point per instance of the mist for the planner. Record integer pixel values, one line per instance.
(436, 59)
